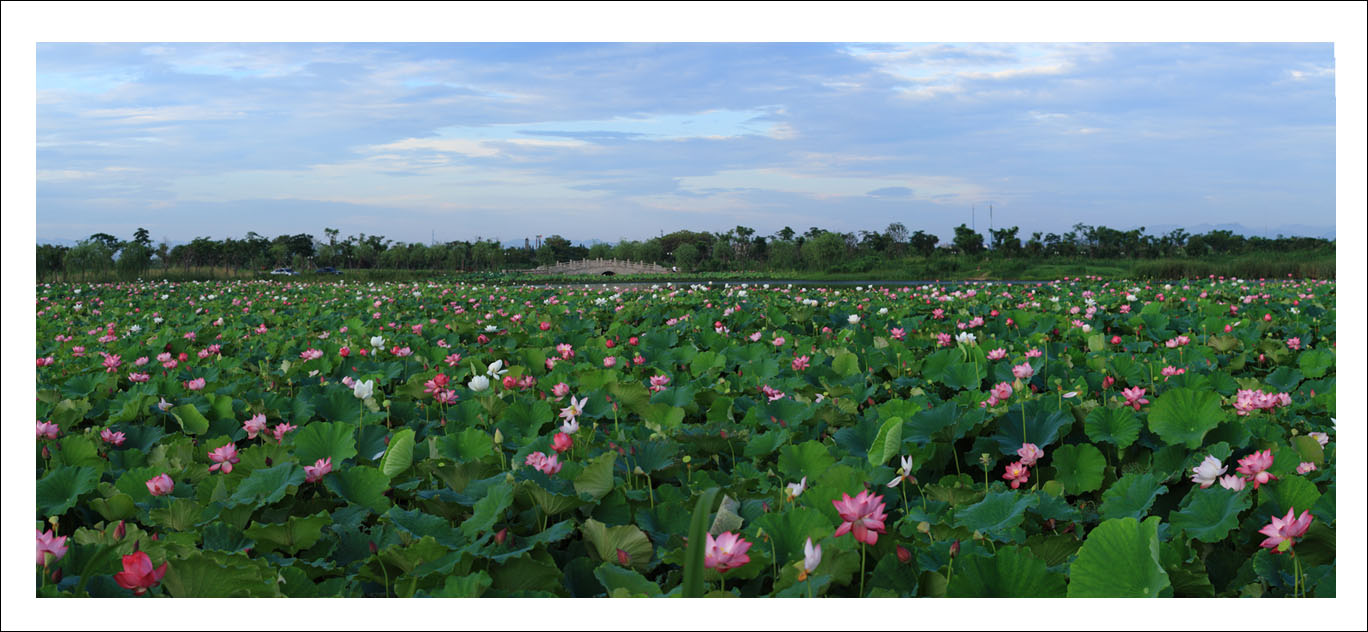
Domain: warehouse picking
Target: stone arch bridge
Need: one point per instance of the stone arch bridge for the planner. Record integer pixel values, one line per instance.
(598, 267)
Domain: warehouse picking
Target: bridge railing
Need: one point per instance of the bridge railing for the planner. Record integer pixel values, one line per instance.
(569, 267)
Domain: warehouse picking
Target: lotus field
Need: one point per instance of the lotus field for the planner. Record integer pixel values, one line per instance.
(1081, 438)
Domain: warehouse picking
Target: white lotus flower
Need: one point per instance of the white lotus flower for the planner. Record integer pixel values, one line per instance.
(853, 319)
(796, 489)
(496, 369)
(966, 338)
(1206, 472)
(377, 341)
(478, 384)
(365, 389)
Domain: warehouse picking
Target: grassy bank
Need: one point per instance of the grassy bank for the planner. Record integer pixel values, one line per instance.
(1317, 265)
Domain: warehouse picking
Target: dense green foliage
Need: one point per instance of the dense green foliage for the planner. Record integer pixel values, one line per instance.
(892, 253)
(438, 483)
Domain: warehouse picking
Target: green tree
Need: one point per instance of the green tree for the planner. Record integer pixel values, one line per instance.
(924, 243)
(686, 256)
(824, 250)
(1005, 241)
(967, 240)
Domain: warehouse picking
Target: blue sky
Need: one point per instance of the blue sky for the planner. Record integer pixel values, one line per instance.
(606, 141)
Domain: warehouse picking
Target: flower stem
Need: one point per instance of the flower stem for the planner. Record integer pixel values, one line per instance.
(863, 547)
(1296, 577)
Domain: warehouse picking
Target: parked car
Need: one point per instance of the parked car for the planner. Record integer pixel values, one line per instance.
(283, 271)
(329, 270)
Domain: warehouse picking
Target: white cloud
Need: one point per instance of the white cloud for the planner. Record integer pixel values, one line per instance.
(163, 114)
(933, 70)
(1310, 72)
(931, 188)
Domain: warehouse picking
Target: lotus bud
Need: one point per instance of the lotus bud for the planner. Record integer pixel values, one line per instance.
(924, 527)
(904, 555)
(120, 531)
(954, 548)
(623, 558)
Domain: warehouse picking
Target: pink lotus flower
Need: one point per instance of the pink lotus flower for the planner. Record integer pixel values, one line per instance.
(1320, 437)
(755, 337)
(898, 333)
(799, 363)
(1283, 532)
(111, 363)
(316, 472)
(1294, 344)
(1017, 473)
(1030, 453)
(1232, 482)
(195, 384)
(1250, 400)
(1306, 467)
(47, 430)
(451, 360)
(1170, 371)
(138, 574)
(726, 552)
(779, 341)
(1003, 391)
(160, 485)
(609, 362)
(1135, 397)
(566, 351)
(111, 437)
(1023, 371)
(279, 431)
(944, 339)
(224, 457)
(561, 389)
(254, 426)
(658, 382)
(50, 542)
(997, 354)
(310, 354)
(863, 515)
(1033, 353)
(1255, 466)
(547, 465)
(138, 377)
(45, 361)
(561, 442)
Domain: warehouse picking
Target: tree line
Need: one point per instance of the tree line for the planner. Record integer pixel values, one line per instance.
(738, 249)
